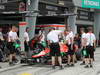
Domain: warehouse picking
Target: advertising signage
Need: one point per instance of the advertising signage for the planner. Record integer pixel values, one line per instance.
(91, 4)
(13, 6)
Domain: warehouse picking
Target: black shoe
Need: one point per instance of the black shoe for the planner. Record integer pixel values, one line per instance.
(53, 67)
(91, 66)
(61, 67)
(82, 64)
(68, 65)
(11, 64)
(72, 65)
(86, 66)
(15, 61)
(76, 61)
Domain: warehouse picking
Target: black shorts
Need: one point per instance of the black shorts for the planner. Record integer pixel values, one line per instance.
(55, 49)
(11, 47)
(26, 46)
(90, 52)
(70, 51)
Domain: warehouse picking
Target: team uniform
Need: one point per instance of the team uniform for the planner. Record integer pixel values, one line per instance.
(12, 37)
(42, 36)
(54, 42)
(90, 37)
(26, 41)
(42, 41)
(69, 43)
(83, 41)
(83, 37)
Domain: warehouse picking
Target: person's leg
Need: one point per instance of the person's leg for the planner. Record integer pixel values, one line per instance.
(91, 57)
(83, 60)
(91, 62)
(87, 62)
(87, 58)
(14, 57)
(11, 53)
(83, 57)
(69, 55)
(58, 54)
(52, 53)
(10, 57)
(15, 60)
(73, 59)
(69, 59)
(26, 48)
(60, 62)
(53, 62)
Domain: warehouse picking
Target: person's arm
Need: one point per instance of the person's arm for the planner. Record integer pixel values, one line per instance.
(94, 41)
(83, 42)
(10, 39)
(25, 38)
(72, 42)
(48, 40)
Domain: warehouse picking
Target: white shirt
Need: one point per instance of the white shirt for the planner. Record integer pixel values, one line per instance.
(71, 34)
(12, 36)
(42, 35)
(26, 36)
(90, 37)
(53, 36)
(83, 35)
(43, 38)
(69, 37)
(83, 39)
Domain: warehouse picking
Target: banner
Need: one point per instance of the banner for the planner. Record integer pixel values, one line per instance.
(91, 4)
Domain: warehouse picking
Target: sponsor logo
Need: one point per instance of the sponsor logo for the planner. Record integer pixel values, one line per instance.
(91, 4)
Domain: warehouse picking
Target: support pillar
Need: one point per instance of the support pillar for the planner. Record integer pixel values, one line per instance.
(22, 27)
(31, 20)
(72, 20)
(97, 23)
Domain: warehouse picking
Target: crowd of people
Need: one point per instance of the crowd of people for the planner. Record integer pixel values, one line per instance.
(87, 44)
